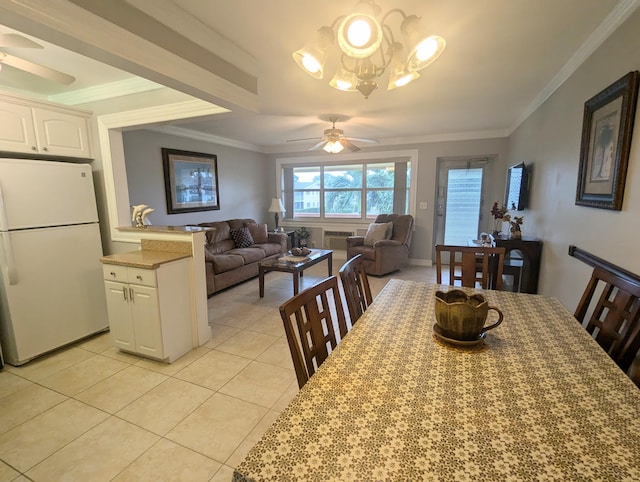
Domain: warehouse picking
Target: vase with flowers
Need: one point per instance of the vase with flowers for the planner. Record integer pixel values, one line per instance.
(501, 215)
(514, 225)
(498, 213)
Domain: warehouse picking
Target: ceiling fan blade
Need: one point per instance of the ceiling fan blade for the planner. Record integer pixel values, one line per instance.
(364, 139)
(18, 41)
(349, 145)
(36, 69)
(319, 145)
(305, 139)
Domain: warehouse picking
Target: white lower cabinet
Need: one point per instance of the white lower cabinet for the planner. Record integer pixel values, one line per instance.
(150, 309)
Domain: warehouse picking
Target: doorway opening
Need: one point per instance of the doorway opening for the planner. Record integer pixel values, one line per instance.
(460, 195)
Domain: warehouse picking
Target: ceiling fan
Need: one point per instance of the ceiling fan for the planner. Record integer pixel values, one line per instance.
(12, 40)
(334, 140)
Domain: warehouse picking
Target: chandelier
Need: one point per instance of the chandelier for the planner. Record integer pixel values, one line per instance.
(368, 47)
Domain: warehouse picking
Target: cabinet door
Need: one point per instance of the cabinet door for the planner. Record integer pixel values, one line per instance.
(62, 134)
(120, 320)
(146, 321)
(16, 128)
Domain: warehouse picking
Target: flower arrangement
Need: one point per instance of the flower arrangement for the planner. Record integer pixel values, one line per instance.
(498, 214)
(501, 215)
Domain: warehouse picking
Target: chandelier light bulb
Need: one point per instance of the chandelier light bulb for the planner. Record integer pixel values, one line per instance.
(359, 33)
(311, 64)
(426, 49)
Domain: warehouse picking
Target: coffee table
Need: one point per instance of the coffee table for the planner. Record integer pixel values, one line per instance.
(295, 265)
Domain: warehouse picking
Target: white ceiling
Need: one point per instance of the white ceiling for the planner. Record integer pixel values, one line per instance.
(503, 58)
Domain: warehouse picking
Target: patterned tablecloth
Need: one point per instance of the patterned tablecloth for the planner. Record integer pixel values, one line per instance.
(539, 400)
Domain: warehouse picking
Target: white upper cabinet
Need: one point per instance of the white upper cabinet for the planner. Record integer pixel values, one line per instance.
(43, 129)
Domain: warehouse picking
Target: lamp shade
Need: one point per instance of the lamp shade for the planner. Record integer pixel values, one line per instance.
(276, 206)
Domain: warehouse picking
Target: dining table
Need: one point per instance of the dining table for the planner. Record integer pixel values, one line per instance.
(535, 399)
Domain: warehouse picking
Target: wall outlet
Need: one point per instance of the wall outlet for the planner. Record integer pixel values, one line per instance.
(423, 205)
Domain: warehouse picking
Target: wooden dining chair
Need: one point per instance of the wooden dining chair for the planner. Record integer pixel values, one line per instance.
(308, 320)
(610, 305)
(355, 284)
(471, 265)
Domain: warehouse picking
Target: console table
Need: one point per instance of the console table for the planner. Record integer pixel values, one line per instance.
(524, 266)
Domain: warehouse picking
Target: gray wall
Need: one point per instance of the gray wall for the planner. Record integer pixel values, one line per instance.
(242, 178)
(550, 139)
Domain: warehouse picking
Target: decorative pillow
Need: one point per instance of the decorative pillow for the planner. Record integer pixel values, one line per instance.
(378, 232)
(258, 233)
(241, 237)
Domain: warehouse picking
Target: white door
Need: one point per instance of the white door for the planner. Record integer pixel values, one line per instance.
(54, 290)
(146, 321)
(45, 193)
(460, 205)
(120, 316)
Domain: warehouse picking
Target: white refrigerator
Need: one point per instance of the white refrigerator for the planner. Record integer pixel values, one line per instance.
(51, 288)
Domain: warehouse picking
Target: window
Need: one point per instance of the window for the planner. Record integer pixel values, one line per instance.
(346, 190)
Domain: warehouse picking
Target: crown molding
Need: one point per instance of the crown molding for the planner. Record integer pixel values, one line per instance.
(132, 85)
(203, 136)
(610, 24)
(288, 148)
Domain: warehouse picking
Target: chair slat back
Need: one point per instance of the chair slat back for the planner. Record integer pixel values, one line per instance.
(355, 284)
(308, 320)
(610, 305)
(471, 266)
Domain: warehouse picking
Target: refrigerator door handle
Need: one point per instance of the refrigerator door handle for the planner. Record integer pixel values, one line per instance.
(4, 224)
(10, 268)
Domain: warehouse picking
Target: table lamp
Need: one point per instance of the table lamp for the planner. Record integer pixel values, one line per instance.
(276, 207)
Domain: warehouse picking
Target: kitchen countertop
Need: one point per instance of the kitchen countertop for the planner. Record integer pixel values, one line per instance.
(149, 258)
(165, 229)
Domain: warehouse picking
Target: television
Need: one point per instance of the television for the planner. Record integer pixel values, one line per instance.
(517, 192)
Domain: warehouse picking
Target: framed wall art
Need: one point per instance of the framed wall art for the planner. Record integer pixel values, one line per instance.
(607, 127)
(190, 181)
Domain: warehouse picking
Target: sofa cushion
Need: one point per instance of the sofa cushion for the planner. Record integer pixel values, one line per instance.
(238, 223)
(220, 234)
(377, 232)
(226, 262)
(241, 237)
(269, 248)
(249, 255)
(258, 233)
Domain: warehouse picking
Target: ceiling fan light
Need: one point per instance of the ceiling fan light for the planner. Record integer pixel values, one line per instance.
(333, 147)
(423, 49)
(313, 56)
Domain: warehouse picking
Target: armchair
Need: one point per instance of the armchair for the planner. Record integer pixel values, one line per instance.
(386, 255)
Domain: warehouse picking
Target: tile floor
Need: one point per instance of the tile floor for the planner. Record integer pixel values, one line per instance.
(92, 413)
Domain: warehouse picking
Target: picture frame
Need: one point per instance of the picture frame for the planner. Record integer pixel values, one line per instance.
(190, 181)
(607, 128)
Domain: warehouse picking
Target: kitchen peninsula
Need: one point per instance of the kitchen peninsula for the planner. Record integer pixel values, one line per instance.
(156, 296)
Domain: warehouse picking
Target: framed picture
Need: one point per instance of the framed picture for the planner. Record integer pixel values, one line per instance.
(606, 139)
(190, 181)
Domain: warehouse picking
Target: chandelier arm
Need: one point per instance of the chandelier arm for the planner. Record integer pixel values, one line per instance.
(393, 10)
(338, 19)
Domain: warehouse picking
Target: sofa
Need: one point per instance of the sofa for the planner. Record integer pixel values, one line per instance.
(235, 248)
(387, 251)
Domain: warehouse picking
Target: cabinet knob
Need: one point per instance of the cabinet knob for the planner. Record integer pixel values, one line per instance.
(139, 278)
(112, 273)
(34, 148)
(45, 148)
